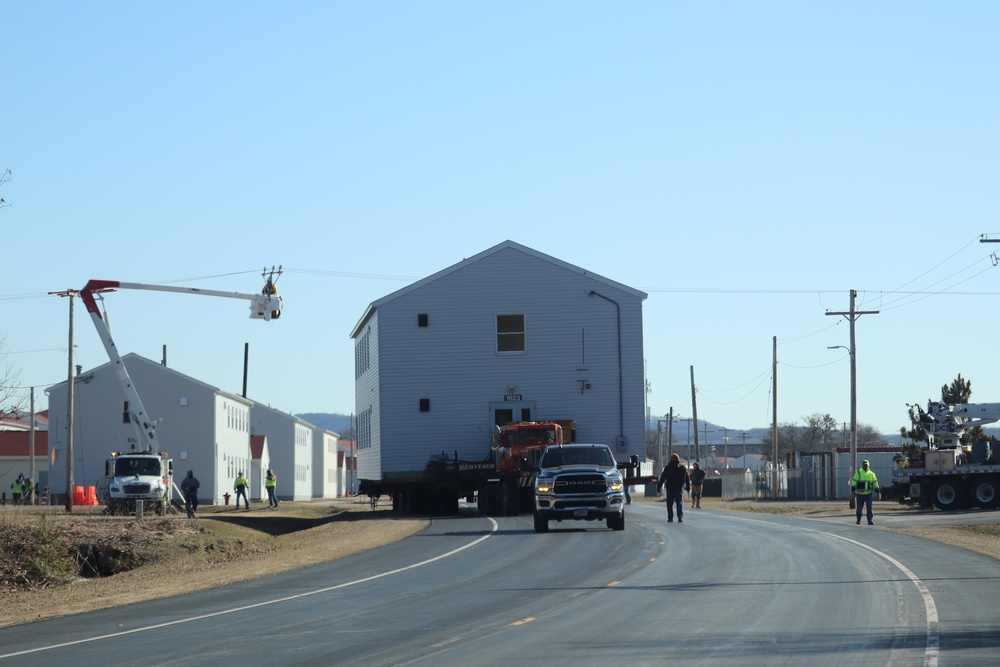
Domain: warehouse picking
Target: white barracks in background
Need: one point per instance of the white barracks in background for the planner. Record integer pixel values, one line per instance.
(508, 334)
(200, 427)
(290, 442)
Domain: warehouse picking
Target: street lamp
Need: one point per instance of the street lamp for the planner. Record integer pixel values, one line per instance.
(854, 415)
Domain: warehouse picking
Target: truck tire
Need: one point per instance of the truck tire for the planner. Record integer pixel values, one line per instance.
(948, 494)
(986, 492)
(541, 525)
(488, 498)
(445, 503)
(509, 495)
(617, 522)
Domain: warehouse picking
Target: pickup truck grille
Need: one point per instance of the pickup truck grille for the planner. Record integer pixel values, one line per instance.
(587, 483)
(135, 488)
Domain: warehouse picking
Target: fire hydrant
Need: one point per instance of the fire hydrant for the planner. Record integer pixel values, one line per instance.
(226, 497)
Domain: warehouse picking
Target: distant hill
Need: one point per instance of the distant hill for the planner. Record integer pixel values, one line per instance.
(754, 435)
(339, 424)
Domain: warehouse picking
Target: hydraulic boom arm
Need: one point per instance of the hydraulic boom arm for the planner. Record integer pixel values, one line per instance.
(943, 421)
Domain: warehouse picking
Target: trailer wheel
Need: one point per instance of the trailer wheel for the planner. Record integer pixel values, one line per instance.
(541, 525)
(617, 522)
(986, 492)
(947, 494)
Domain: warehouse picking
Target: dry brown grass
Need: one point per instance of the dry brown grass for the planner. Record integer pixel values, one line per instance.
(172, 555)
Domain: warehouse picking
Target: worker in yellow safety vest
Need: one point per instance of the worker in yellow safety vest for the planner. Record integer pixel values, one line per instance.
(241, 485)
(271, 484)
(865, 485)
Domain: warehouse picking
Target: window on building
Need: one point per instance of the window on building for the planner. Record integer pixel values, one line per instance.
(510, 334)
(362, 354)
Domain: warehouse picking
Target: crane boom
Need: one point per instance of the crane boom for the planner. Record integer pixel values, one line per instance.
(265, 305)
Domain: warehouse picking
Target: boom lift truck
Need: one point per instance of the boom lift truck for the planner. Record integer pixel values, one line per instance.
(146, 473)
(953, 476)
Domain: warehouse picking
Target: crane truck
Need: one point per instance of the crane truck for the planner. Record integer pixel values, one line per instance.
(952, 476)
(146, 473)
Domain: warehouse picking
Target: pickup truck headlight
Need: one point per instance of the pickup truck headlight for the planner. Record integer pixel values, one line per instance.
(616, 484)
(543, 486)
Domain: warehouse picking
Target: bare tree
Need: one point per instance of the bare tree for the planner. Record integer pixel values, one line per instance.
(819, 433)
(4, 177)
(11, 393)
(869, 436)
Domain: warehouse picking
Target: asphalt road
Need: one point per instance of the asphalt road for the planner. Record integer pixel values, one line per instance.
(722, 588)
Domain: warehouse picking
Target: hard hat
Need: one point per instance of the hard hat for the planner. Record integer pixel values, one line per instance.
(865, 462)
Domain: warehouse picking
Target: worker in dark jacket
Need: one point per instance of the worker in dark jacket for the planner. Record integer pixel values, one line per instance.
(697, 477)
(189, 487)
(675, 478)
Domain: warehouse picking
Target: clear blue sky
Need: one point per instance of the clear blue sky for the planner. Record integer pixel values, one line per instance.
(745, 163)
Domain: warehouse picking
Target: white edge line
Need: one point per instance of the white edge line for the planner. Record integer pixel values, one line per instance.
(933, 644)
(201, 617)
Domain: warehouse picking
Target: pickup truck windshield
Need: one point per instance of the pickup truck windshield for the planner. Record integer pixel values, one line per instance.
(555, 457)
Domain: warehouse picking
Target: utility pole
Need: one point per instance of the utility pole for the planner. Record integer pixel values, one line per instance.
(725, 445)
(694, 416)
(774, 413)
(852, 315)
(664, 449)
(707, 450)
(69, 401)
(31, 450)
(670, 435)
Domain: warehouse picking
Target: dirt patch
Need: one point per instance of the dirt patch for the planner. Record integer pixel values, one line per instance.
(44, 570)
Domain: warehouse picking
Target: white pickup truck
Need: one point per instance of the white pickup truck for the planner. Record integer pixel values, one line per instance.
(581, 483)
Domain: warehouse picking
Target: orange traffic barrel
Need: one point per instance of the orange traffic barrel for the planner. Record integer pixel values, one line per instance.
(91, 496)
(78, 497)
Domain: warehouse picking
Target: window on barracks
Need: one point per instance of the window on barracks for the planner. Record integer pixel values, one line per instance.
(510, 334)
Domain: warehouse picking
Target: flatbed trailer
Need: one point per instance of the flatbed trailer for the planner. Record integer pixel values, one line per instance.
(436, 489)
(446, 480)
(963, 486)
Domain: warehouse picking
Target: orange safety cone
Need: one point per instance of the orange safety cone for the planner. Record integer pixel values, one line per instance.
(91, 497)
(78, 497)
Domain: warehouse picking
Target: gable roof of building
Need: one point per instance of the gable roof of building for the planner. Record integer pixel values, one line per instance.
(257, 446)
(506, 245)
(19, 420)
(131, 358)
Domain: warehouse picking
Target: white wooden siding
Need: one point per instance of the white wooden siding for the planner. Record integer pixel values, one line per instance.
(453, 362)
(290, 442)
